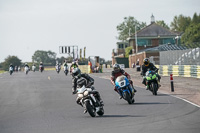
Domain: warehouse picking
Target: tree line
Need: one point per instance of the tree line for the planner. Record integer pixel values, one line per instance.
(190, 26)
(47, 57)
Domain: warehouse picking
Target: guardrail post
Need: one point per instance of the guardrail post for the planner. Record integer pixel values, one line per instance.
(172, 83)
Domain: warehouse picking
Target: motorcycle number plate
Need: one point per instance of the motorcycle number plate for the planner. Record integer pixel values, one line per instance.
(122, 84)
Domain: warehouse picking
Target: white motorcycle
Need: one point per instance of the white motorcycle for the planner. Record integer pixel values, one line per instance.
(26, 69)
(33, 68)
(66, 70)
(58, 68)
(11, 70)
(88, 100)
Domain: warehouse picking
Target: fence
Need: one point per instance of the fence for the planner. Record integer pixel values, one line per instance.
(180, 57)
(180, 70)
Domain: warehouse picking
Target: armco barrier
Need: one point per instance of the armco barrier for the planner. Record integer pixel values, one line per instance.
(180, 70)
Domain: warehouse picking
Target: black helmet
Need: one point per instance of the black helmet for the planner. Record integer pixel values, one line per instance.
(116, 67)
(146, 62)
(76, 72)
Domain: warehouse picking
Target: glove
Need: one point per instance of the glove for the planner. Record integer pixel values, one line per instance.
(74, 91)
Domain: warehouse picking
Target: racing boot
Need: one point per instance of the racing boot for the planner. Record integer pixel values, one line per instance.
(85, 111)
(147, 87)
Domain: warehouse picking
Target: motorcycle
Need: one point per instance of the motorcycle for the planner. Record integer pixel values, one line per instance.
(11, 70)
(26, 69)
(88, 99)
(65, 70)
(152, 81)
(33, 68)
(125, 89)
(58, 68)
(41, 68)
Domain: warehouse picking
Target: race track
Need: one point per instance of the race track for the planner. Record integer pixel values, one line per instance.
(43, 103)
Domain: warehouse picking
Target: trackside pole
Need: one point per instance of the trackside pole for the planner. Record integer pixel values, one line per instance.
(172, 82)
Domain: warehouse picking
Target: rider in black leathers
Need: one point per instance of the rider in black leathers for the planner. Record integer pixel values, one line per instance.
(148, 65)
(77, 81)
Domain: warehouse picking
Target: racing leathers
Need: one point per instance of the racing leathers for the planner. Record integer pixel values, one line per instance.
(79, 81)
(114, 76)
(145, 69)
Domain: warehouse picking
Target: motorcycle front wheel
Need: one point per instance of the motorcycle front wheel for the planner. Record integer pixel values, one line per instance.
(127, 97)
(154, 88)
(90, 109)
(100, 112)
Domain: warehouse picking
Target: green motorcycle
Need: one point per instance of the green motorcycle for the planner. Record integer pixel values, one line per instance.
(152, 81)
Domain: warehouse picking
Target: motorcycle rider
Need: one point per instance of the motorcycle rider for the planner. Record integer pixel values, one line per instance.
(26, 65)
(74, 65)
(148, 65)
(65, 63)
(76, 75)
(57, 66)
(11, 65)
(117, 71)
(33, 67)
(41, 66)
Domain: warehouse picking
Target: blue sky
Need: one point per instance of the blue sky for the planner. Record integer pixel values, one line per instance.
(30, 25)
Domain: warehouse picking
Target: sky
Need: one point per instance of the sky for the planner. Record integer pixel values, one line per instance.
(30, 25)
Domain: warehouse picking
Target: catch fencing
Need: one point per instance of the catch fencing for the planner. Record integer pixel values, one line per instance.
(180, 57)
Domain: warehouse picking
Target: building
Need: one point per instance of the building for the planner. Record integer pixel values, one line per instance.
(149, 37)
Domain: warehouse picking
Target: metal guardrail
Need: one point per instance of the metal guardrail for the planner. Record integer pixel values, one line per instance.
(179, 70)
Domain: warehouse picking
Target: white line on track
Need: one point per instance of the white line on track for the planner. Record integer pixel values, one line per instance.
(164, 93)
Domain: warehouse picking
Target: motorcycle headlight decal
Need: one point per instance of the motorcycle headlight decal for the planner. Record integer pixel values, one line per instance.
(80, 95)
(154, 76)
(148, 78)
(85, 93)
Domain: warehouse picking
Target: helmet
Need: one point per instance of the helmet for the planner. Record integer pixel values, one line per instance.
(73, 63)
(76, 72)
(146, 62)
(116, 67)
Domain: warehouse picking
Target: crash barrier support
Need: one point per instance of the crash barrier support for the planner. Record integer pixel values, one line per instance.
(179, 70)
(172, 82)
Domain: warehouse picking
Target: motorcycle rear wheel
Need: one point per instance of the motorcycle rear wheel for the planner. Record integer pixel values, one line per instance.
(90, 109)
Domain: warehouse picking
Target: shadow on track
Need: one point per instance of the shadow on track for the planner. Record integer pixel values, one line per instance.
(118, 116)
(149, 103)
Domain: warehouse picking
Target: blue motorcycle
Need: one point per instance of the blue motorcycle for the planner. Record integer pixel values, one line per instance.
(125, 89)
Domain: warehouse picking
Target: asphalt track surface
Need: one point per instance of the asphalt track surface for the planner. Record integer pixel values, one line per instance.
(43, 103)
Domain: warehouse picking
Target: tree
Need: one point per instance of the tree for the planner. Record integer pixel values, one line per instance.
(128, 25)
(191, 35)
(196, 19)
(180, 23)
(128, 51)
(47, 57)
(11, 59)
(163, 24)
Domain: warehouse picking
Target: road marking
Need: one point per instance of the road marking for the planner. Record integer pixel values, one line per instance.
(163, 93)
(185, 100)
(49, 78)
